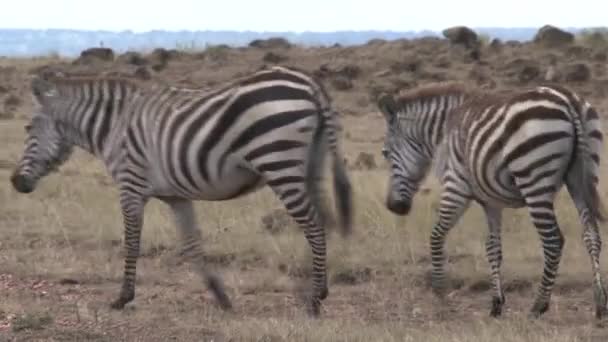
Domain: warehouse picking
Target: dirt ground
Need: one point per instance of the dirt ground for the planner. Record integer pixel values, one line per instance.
(61, 246)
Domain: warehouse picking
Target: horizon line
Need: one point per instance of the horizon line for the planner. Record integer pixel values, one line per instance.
(305, 31)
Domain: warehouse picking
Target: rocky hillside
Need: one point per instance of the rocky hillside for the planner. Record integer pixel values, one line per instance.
(354, 75)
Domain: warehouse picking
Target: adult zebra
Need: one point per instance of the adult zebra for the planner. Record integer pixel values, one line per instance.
(271, 127)
(510, 149)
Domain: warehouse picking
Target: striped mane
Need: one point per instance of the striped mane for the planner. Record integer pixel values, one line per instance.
(409, 101)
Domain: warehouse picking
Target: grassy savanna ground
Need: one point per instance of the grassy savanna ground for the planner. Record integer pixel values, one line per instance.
(61, 253)
(61, 263)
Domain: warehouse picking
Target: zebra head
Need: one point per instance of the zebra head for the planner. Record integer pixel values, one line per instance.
(408, 160)
(45, 146)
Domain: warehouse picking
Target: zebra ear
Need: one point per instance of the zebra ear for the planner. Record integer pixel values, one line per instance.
(43, 89)
(387, 105)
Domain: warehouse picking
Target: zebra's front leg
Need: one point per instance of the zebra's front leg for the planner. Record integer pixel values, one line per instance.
(185, 219)
(494, 255)
(451, 207)
(132, 205)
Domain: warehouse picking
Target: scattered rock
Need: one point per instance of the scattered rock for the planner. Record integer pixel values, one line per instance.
(276, 221)
(133, 58)
(350, 71)
(600, 56)
(220, 259)
(142, 73)
(270, 43)
(365, 161)
(577, 52)
(68, 281)
(92, 55)
(273, 57)
(461, 35)
(12, 102)
(522, 70)
(551, 36)
(353, 276)
(159, 59)
(577, 72)
(529, 73)
(496, 44)
(340, 82)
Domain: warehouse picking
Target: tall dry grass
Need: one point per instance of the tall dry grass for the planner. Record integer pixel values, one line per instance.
(71, 227)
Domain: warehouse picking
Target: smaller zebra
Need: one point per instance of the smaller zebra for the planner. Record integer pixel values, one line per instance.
(272, 127)
(511, 149)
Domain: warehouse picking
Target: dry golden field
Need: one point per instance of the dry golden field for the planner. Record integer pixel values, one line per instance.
(61, 254)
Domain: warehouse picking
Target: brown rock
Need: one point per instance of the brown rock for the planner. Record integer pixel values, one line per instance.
(577, 72)
(142, 73)
(340, 82)
(551, 36)
(274, 58)
(461, 35)
(365, 161)
(132, 58)
(270, 43)
(100, 53)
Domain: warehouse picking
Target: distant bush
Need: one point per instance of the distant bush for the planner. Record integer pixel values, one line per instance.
(593, 37)
(484, 39)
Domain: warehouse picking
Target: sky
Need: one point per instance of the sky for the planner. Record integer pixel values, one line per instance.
(298, 15)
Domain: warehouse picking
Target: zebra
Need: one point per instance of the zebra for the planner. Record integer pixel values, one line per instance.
(510, 149)
(273, 126)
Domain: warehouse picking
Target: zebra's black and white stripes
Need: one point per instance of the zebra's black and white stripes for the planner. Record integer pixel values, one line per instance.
(501, 150)
(271, 127)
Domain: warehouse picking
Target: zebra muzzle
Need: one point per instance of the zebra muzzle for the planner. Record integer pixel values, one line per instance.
(22, 184)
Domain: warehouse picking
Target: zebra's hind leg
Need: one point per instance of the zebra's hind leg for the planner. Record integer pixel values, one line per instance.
(298, 205)
(494, 254)
(593, 242)
(552, 239)
(185, 219)
(132, 205)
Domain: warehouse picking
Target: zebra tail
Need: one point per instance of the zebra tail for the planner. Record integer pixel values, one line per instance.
(588, 179)
(342, 186)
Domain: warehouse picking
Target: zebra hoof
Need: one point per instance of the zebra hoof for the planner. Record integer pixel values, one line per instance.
(217, 288)
(314, 308)
(120, 303)
(324, 293)
(600, 303)
(438, 288)
(538, 309)
(497, 304)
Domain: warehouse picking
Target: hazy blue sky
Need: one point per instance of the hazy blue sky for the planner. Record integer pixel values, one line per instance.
(298, 15)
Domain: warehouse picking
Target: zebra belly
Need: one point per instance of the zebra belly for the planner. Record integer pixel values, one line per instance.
(232, 184)
(236, 182)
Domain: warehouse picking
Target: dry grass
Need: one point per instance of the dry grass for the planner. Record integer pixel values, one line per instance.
(61, 251)
(62, 263)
